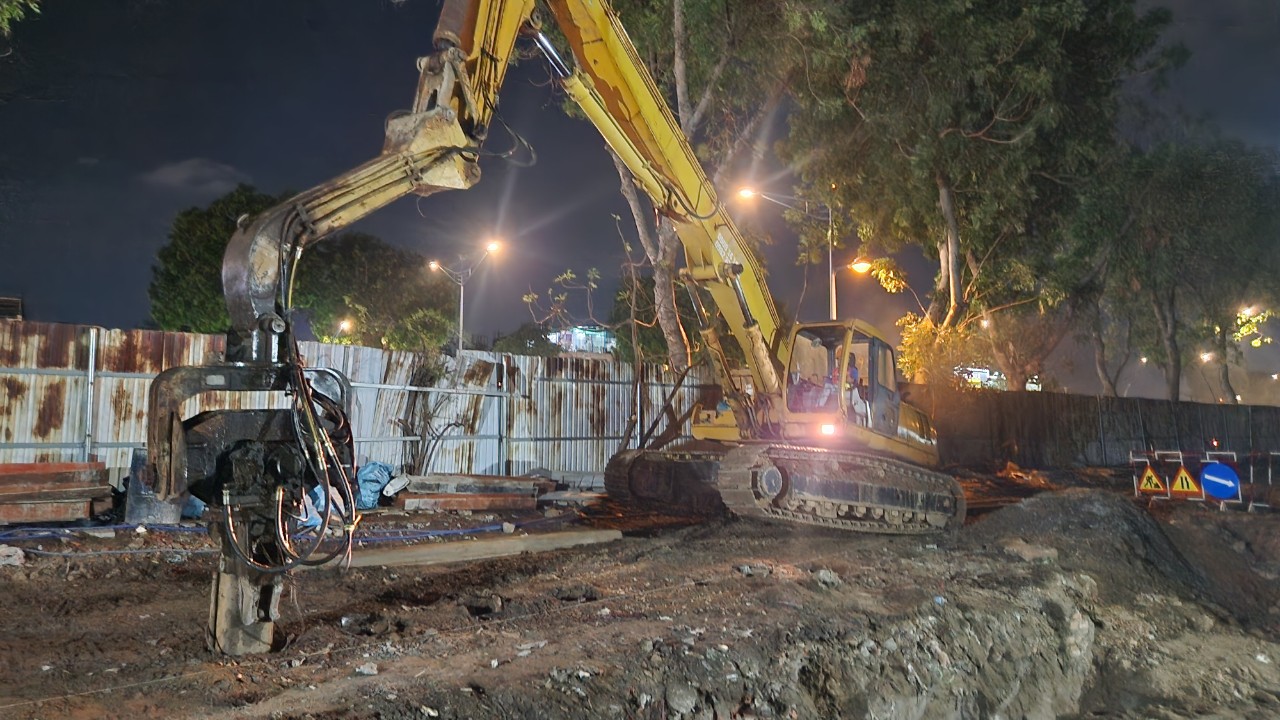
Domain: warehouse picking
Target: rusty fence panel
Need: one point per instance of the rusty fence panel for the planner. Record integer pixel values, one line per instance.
(69, 392)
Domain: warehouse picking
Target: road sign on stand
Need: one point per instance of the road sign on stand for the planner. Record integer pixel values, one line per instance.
(1220, 481)
(1166, 464)
(1185, 486)
(1149, 483)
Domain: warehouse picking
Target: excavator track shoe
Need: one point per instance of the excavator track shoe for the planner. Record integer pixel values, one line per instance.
(845, 490)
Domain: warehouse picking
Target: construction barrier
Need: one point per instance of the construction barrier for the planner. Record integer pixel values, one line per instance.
(1224, 477)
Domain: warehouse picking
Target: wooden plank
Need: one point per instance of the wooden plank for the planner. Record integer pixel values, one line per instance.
(44, 512)
(437, 502)
(40, 480)
(476, 484)
(92, 492)
(46, 468)
(470, 550)
(572, 496)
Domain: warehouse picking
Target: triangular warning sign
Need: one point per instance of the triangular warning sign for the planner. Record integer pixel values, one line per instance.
(1151, 482)
(1184, 485)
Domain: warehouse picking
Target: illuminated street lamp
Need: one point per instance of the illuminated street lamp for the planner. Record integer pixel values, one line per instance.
(860, 265)
(748, 193)
(345, 326)
(460, 278)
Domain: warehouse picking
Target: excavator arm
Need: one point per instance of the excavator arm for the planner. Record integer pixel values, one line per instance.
(435, 146)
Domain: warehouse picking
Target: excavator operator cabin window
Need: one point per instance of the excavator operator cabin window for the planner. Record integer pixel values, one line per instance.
(885, 372)
(814, 357)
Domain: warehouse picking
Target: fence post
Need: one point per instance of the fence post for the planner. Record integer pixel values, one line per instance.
(91, 377)
(1102, 433)
(504, 411)
(637, 377)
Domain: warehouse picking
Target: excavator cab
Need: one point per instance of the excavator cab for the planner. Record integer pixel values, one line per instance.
(842, 391)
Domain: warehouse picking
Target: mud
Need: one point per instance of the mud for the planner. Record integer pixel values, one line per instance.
(1074, 603)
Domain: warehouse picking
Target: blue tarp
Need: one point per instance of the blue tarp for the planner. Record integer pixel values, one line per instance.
(370, 479)
(193, 508)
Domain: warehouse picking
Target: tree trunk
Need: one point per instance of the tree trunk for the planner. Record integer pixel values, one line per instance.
(1016, 369)
(1224, 369)
(951, 250)
(1166, 312)
(1100, 354)
(664, 297)
(662, 252)
(1016, 377)
(1100, 364)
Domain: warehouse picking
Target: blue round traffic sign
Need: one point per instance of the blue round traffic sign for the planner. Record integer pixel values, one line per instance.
(1220, 481)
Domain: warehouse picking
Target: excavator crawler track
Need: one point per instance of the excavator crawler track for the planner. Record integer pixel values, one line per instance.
(841, 489)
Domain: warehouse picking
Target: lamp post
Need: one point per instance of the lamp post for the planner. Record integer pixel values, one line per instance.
(460, 278)
(747, 192)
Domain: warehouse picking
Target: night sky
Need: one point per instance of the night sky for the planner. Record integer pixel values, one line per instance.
(115, 115)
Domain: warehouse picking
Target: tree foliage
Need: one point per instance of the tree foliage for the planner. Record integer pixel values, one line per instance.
(186, 281)
(970, 129)
(635, 324)
(387, 296)
(13, 11)
(529, 339)
(1188, 231)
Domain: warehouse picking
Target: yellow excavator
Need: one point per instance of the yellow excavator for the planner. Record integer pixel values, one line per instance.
(814, 432)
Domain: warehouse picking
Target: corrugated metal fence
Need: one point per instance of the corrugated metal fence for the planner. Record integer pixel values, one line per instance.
(1046, 430)
(69, 391)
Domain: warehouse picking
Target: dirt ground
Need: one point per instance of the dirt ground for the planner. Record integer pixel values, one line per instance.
(1074, 603)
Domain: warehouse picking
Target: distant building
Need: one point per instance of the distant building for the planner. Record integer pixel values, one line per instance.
(10, 308)
(584, 339)
(981, 377)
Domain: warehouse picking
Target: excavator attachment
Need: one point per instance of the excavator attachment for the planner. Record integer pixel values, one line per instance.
(839, 489)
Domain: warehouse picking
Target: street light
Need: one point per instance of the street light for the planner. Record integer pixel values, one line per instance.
(460, 278)
(860, 265)
(748, 193)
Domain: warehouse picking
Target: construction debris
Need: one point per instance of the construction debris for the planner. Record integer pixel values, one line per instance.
(469, 492)
(480, 549)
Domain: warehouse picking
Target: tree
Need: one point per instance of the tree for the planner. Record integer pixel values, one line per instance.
(12, 11)
(186, 281)
(385, 295)
(969, 129)
(1190, 229)
(388, 295)
(635, 322)
(529, 339)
